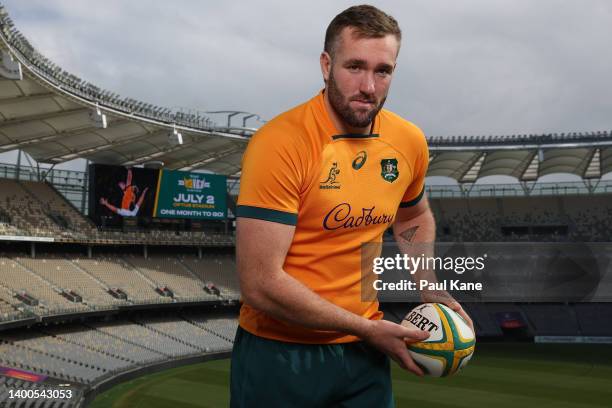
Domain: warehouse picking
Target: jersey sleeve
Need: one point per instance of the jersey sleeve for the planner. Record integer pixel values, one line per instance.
(271, 179)
(415, 191)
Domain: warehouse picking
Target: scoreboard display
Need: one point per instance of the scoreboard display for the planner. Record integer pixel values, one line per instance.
(117, 193)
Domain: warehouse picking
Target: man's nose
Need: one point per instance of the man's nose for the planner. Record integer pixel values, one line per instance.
(367, 83)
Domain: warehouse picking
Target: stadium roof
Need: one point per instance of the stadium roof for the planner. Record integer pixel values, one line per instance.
(55, 117)
(525, 157)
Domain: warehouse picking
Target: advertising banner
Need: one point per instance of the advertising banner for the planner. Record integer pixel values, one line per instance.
(190, 195)
(118, 192)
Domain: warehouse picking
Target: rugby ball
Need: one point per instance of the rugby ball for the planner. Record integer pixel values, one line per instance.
(450, 344)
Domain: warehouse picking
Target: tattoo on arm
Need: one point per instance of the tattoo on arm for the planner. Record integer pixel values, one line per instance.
(409, 234)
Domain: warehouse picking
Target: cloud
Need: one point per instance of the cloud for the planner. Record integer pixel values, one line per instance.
(469, 67)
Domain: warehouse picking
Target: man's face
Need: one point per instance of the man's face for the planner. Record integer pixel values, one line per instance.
(359, 76)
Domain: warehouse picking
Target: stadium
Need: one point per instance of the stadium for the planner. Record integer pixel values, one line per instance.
(108, 304)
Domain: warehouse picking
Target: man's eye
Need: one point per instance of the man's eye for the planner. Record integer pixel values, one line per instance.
(383, 72)
(353, 67)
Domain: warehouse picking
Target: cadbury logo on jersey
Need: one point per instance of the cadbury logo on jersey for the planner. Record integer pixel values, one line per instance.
(341, 216)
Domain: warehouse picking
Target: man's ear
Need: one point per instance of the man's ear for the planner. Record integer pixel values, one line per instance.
(325, 61)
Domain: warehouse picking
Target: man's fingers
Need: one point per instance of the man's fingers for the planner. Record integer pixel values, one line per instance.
(465, 316)
(455, 306)
(408, 363)
(414, 335)
(412, 340)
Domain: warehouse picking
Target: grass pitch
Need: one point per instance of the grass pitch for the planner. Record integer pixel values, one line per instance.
(499, 376)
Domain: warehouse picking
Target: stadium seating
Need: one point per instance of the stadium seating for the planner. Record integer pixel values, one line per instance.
(70, 284)
(8, 229)
(104, 342)
(208, 336)
(222, 327)
(115, 273)
(170, 272)
(552, 319)
(27, 213)
(56, 204)
(88, 353)
(17, 355)
(484, 322)
(580, 218)
(594, 318)
(95, 362)
(215, 269)
(152, 339)
(8, 309)
(68, 276)
(29, 208)
(18, 279)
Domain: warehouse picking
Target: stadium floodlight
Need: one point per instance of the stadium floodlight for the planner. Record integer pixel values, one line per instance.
(98, 118)
(175, 138)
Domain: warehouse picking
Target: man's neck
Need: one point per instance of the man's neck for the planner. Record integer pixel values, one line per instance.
(342, 126)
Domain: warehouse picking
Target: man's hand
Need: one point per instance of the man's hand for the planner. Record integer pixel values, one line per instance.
(442, 296)
(392, 339)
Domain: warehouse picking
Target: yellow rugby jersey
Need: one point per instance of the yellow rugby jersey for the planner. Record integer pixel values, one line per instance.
(339, 190)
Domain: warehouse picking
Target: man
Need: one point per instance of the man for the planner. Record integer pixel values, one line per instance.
(129, 192)
(317, 182)
(127, 211)
(129, 205)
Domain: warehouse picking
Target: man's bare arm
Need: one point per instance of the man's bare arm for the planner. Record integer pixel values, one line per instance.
(415, 233)
(261, 248)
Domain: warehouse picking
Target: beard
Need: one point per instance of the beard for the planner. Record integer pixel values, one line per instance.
(341, 104)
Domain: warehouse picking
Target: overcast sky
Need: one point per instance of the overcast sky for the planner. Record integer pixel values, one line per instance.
(472, 67)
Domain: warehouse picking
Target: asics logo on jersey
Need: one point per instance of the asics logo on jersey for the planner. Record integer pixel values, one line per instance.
(360, 160)
(331, 182)
(341, 216)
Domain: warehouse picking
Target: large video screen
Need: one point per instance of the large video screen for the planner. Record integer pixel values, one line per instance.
(117, 192)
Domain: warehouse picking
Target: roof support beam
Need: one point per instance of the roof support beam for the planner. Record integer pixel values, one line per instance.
(49, 137)
(463, 169)
(41, 116)
(211, 158)
(592, 168)
(25, 98)
(530, 169)
(190, 143)
(472, 173)
(124, 140)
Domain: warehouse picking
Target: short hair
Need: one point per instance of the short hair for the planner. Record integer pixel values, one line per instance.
(367, 21)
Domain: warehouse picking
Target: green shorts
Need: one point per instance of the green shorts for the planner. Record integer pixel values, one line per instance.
(269, 373)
